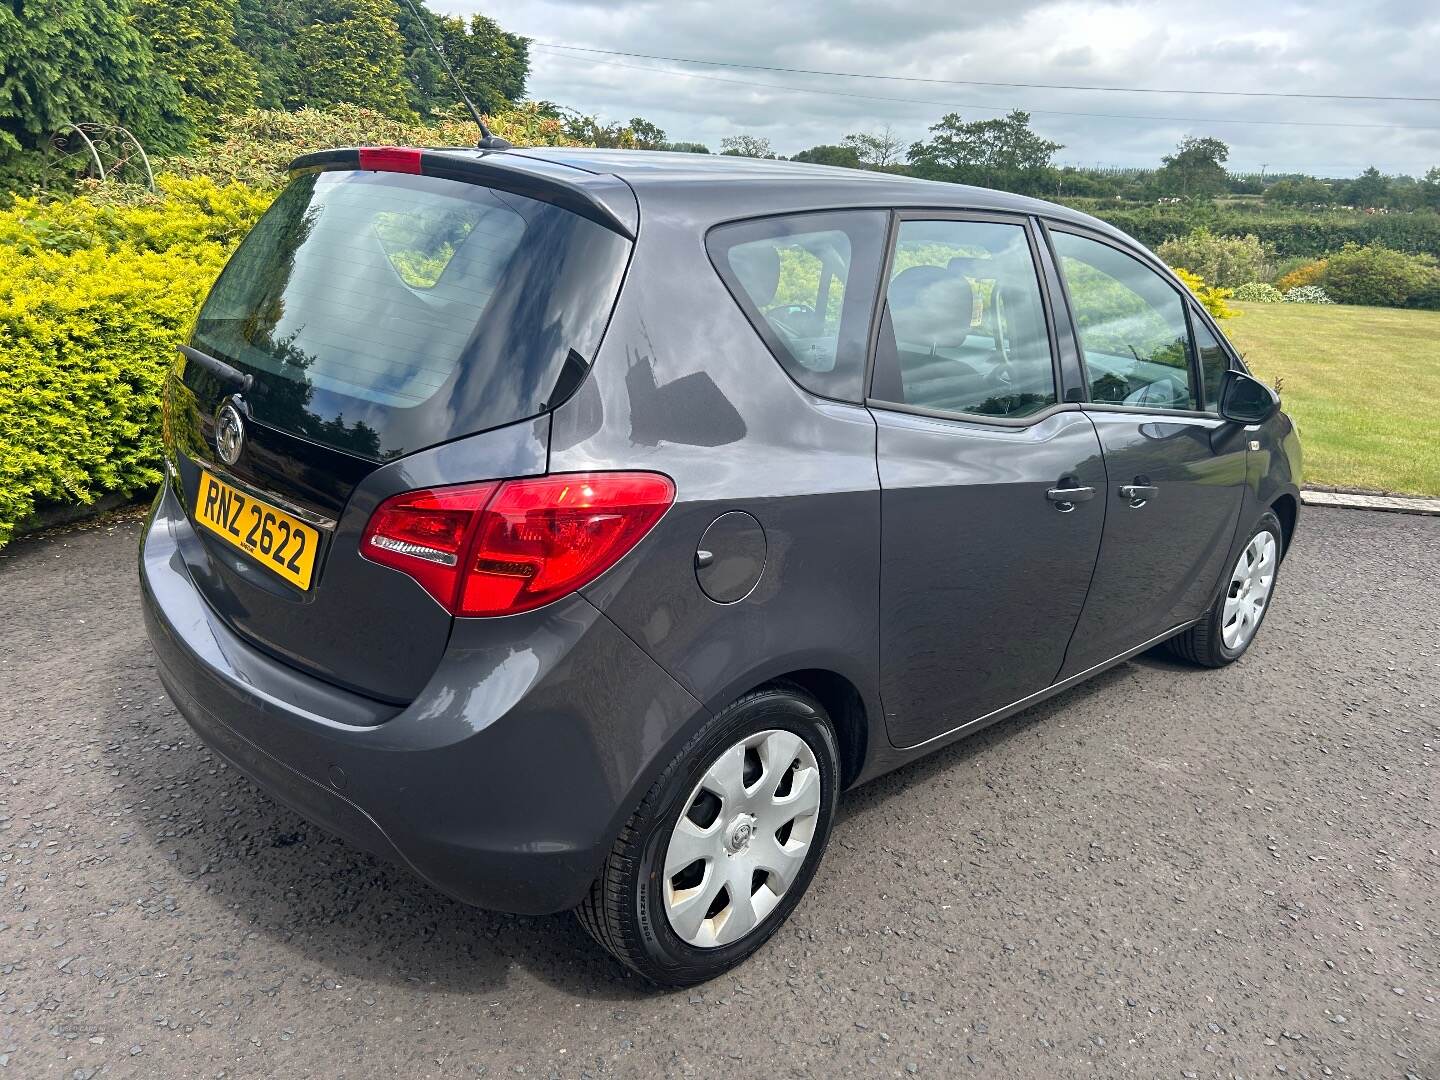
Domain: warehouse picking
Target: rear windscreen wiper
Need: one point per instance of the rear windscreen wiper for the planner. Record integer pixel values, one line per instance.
(218, 368)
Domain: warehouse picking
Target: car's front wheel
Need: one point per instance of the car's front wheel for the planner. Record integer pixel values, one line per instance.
(724, 844)
(1232, 622)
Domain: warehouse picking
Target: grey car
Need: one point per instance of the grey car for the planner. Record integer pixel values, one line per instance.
(572, 527)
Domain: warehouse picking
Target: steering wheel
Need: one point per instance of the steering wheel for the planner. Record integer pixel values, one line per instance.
(999, 377)
(1163, 393)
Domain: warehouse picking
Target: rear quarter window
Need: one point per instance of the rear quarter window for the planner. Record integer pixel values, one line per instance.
(807, 284)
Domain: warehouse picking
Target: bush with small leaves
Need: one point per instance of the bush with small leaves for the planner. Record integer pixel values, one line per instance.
(1308, 273)
(1307, 294)
(1380, 276)
(97, 290)
(1259, 292)
(95, 293)
(260, 144)
(1211, 298)
(1224, 261)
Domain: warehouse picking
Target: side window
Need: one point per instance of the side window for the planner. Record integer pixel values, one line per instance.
(964, 327)
(807, 283)
(1214, 362)
(1132, 327)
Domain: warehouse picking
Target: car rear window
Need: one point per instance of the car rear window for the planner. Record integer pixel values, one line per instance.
(381, 313)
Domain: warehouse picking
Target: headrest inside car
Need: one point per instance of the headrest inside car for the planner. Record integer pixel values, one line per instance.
(931, 307)
(757, 265)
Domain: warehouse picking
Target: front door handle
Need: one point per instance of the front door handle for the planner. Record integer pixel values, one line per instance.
(1065, 498)
(1138, 494)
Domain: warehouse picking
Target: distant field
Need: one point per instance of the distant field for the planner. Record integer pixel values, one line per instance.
(1363, 383)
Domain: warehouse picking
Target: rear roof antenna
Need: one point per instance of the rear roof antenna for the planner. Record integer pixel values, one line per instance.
(488, 140)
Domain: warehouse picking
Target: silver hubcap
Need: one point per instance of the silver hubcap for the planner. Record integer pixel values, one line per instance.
(1249, 590)
(742, 838)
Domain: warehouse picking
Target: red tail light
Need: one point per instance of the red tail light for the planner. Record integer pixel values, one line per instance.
(426, 533)
(500, 548)
(400, 159)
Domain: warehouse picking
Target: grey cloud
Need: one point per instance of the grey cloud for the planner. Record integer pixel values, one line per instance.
(1352, 47)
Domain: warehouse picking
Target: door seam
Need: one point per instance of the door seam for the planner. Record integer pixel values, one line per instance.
(1099, 548)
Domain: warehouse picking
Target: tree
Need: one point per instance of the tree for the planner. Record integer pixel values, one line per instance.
(1304, 191)
(70, 61)
(1003, 152)
(647, 136)
(876, 150)
(1430, 189)
(1088, 183)
(491, 64)
(638, 134)
(350, 51)
(1370, 188)
(844, 157)
(1404, 193)
(686, 147)
(429, 89)
(194, 42)
(1196, 169)
(746, 146)
(264, 31)
(589, 131)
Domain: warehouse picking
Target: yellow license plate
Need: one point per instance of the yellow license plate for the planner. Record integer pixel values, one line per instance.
(276, 540)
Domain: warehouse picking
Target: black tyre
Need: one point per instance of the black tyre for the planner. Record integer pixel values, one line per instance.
(724, 844)
(1234, 619)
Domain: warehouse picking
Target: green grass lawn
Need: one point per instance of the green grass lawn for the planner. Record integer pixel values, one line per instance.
(1363, 384)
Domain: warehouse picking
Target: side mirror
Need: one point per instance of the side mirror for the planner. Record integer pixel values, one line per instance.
(1244, 399)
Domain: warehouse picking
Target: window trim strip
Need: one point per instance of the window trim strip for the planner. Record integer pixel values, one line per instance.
(974, 419)
(1146, 410)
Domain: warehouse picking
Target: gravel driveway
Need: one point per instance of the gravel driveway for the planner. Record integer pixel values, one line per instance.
(1166, 872)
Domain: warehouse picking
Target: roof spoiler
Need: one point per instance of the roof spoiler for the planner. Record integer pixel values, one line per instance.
(531, 177)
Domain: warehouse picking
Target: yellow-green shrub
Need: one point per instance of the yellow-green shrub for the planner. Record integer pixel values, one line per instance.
(184, 211)
(95, 293)
(1211, 298)
(259, 145)
(1309, 274)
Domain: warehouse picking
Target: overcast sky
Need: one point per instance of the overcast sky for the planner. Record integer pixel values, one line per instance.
(1384, 47)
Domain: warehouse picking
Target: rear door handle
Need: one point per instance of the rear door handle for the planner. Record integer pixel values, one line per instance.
(1065, 498)
(1138, 494)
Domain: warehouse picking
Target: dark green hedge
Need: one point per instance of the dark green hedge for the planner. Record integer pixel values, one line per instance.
(1311, 235)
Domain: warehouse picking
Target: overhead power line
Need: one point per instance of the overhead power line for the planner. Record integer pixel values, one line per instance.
(782, 88)
(984, 82)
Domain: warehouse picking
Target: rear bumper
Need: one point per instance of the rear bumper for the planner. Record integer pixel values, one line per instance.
(503, 784)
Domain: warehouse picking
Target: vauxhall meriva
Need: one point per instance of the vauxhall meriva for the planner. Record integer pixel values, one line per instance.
(572, 527)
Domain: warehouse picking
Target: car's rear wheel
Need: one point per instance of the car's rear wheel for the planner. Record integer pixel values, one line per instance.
(1234, 619)
(724, 844)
